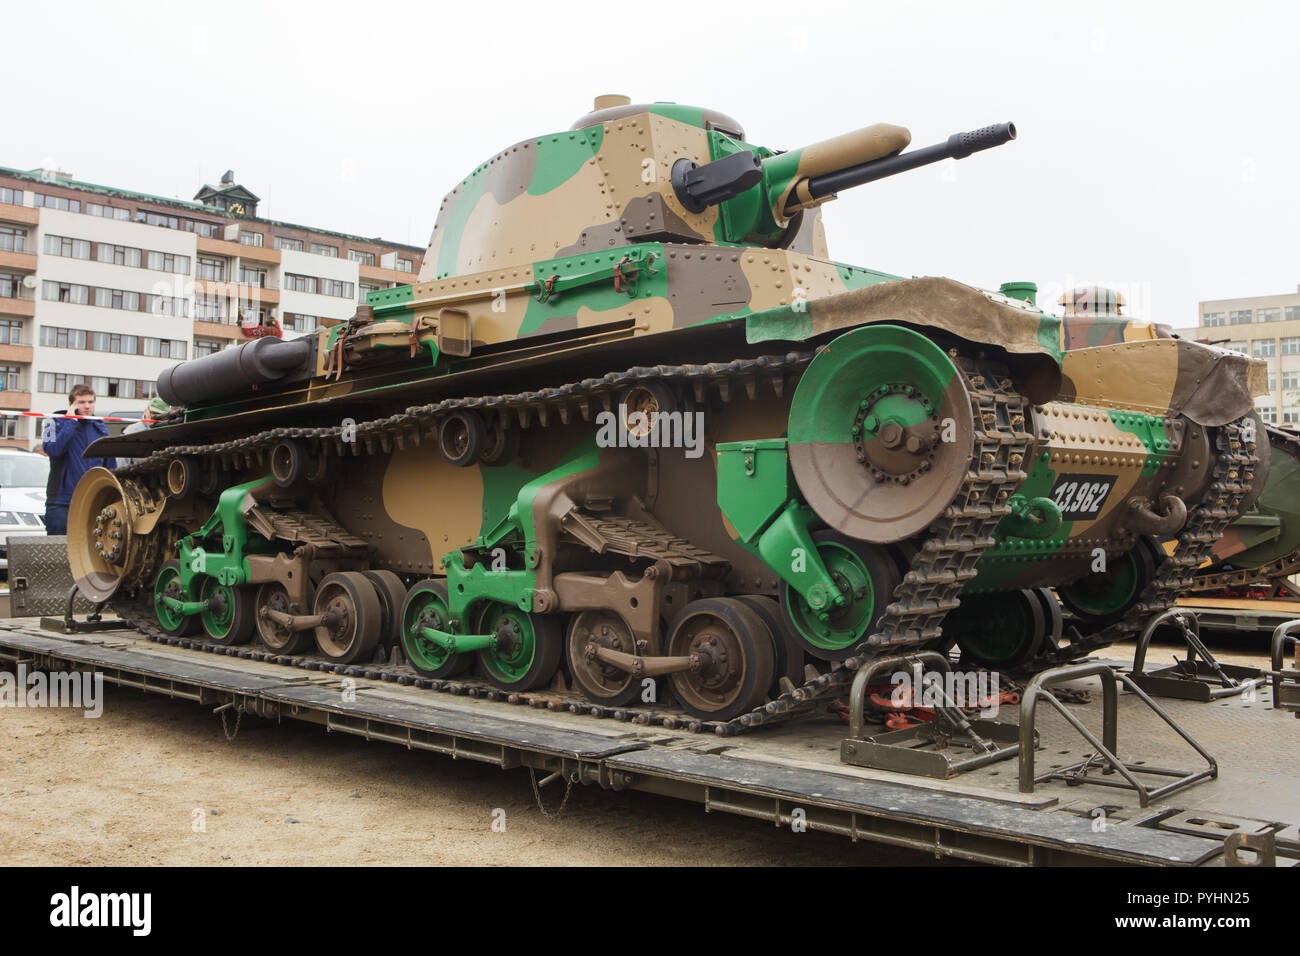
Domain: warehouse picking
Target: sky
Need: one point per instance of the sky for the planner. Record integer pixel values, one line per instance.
(1158, 143)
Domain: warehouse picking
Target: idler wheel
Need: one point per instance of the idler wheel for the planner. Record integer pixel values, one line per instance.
(461, 437)
(1001, 630)
(735, 655)
(881, 433)
(1102, 598)
(103, 551)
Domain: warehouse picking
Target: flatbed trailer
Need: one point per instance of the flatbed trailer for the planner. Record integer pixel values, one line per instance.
(1249, 615)
(784, 775)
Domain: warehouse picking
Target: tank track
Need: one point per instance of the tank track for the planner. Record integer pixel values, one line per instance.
(1231, 480)
(929, 589)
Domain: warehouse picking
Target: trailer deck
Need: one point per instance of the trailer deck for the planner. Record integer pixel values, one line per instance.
(781, 774)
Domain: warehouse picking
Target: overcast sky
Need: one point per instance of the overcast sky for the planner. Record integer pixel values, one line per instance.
(1158, 152)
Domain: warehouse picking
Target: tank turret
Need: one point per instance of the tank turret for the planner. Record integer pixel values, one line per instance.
(660, 172)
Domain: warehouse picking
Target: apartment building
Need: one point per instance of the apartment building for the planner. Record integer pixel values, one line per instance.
(109, 286)
(1267, 327)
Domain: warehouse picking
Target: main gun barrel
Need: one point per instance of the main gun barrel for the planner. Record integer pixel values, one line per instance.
(958, 146)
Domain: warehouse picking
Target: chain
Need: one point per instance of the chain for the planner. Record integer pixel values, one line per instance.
(537, 795)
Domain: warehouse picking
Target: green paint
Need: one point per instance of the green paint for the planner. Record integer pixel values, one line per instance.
(425, 608)
(754, 483)
(846, 624)
(587, 282)
(227, 566)
(169, 615)
(509, 659)
(383, 301)
(1009, 556)
(467, 196)
(788, 548)
(1151, 431)
(560, 156)
(690, 115)
(853, 368)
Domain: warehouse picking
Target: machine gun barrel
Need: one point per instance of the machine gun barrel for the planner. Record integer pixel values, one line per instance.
(958, 146)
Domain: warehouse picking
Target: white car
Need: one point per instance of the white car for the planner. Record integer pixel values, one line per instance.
(23, 475)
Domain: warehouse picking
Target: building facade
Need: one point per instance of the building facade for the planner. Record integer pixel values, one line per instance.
(109, 287)
(1267, 327)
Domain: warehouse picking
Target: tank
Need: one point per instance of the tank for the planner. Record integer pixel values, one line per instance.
(635, 440)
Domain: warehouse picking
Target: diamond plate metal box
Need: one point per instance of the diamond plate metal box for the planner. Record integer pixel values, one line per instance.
(39, 576)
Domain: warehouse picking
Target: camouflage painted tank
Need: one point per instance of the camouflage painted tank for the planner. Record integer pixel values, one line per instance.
(634, 433)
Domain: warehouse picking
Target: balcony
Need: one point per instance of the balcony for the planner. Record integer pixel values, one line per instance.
(268, 294)
(23, 261)
(217, 330)
(221, 247)
(376, 274)
(17, 305)
(16, 400)
(15, 353)
(19, 214)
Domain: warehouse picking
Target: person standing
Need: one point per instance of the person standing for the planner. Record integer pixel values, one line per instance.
(64, 440)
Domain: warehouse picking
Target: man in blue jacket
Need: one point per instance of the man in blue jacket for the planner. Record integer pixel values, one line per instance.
(64, 439)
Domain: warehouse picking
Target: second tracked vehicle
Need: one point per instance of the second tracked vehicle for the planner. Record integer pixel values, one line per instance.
(634, 432)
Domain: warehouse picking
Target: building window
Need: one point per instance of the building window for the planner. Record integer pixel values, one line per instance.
(1263, 348)
(404, 265)
(297, 283)
(58, 338)
(166, 305)
(293, 245)
(1240, 317)
(1213, 318)
(119, 255)
(1272, 382)
(212, 269)
(1290, 418)
(1235, 347)
(1269, 315)
(1292, 313)
(321, 249)
(207, 310)
(1291, 345)
(253, 277)
(13, 238)
(297, 322)
(206, 347)
(63, 246)
(250, 238)
(11, 332)
(1269, 415)
(117, 299)
(65, 292)
(115, 342)
(338, 288)
(1290, 380)
(365, 258)
(9, 285)
(11, 376)
(56, 202)
(107, 212)
(14, 197)
(169, 262)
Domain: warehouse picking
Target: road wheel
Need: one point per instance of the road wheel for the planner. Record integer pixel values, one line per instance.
(785, 642)
(426, 606)
(392, 596)
(529, 647)
(231, 612)
(272, 596)
(350, 631)
(168, 584)
(601, 682)
(735, 651)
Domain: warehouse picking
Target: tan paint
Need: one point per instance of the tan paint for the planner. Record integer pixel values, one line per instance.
(423, 491)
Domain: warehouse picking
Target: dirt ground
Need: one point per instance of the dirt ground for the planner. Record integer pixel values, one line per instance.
(130, 786)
